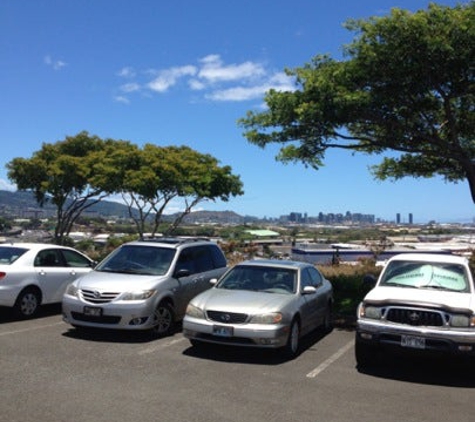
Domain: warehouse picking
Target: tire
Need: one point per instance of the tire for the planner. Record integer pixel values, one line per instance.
(27, 303)
(365, 354)
(292, 348)
(164, 320)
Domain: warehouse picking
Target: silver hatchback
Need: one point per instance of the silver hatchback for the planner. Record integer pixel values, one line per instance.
(261, 303)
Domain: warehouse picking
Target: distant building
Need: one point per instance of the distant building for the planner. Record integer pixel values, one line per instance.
(398, 218)
(410, 218)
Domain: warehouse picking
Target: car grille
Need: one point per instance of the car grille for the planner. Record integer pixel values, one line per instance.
(226, 317)
(95, 296)
(415, 317)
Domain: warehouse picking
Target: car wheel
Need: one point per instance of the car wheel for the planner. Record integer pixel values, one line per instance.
(365, 354)
(292, 347)
(27, 303)
(164, 320)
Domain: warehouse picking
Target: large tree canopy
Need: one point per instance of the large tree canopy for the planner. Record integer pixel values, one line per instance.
(63, 173)
(157, 175)
(405, 86)
(81, 170)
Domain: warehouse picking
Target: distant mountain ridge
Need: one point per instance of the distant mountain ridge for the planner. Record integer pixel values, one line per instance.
(23, 204)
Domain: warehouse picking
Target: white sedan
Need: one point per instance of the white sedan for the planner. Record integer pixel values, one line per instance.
(32, 274)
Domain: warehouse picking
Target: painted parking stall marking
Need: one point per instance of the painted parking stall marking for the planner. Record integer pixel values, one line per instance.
(333, 358)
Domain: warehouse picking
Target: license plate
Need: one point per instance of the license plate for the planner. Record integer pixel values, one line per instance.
(222, 331)
(413, 342)
(92, 311)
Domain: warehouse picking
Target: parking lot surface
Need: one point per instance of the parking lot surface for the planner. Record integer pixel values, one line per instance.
(51, 372)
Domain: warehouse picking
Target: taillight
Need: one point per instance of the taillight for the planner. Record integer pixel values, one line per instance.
(2, 274)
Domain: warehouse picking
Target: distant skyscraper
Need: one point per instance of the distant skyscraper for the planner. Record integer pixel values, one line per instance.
(410, 218)
(398, 218)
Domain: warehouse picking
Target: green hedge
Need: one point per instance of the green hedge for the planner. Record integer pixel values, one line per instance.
(348, 286)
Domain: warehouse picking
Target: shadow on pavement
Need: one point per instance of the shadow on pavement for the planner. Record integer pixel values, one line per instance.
(444, 371)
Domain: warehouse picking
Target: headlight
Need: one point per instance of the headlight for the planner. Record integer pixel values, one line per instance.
(371, 312)
(460, 321)
(140, 295)
(270, 318)
(72, 290)
(194, 312)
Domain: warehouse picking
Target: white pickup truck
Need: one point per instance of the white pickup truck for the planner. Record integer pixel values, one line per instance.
(421, 303)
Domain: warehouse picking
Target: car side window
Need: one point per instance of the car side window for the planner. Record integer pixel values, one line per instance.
(306, 279)
(73, 259)
(49, 258)
(315, 276)
(204, 259)
(186, 261)
(311, 277)
(218, 257)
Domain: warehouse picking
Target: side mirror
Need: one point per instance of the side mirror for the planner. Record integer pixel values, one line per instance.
(369, 281)
(213, 281)
(308, 290)
(182, 273)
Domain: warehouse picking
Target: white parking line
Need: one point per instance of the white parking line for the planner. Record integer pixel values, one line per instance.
(6, 333)
(160, 346)
(324, 365)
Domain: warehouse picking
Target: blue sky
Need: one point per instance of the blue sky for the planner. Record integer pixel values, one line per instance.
(183, 72)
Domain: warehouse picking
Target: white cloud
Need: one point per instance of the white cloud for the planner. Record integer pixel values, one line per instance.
(237, 94)
(55, 64)
(121, 99)
(169, 77)
(217, 80)
(131, 87)
(6, 185)
(213, 70)
(126, 72)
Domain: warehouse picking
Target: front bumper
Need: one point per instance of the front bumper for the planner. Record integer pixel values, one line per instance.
(246, 335)
(445, 340)
(133, 315)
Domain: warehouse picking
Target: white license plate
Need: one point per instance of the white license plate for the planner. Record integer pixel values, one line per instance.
(413, 342)
(92, 311)
(222, 331)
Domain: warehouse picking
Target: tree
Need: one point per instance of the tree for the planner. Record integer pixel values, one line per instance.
(157, 175)
(63, 173)
(405, 88)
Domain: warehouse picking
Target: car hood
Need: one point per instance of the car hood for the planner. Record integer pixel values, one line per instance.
(242, 301)
(425, 296)
(116, 282)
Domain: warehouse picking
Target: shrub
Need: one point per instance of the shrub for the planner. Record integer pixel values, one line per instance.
(348, 286)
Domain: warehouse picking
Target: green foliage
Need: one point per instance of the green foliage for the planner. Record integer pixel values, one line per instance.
(406, 87)
(78, 172)
(348, 286)
(63, 173)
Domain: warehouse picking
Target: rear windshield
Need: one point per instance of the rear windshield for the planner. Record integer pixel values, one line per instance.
(427, 275)
(8, 255)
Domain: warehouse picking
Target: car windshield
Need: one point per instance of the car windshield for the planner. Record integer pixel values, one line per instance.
(135, 259)
(429, 275)
(259, 279)
(8, 255)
